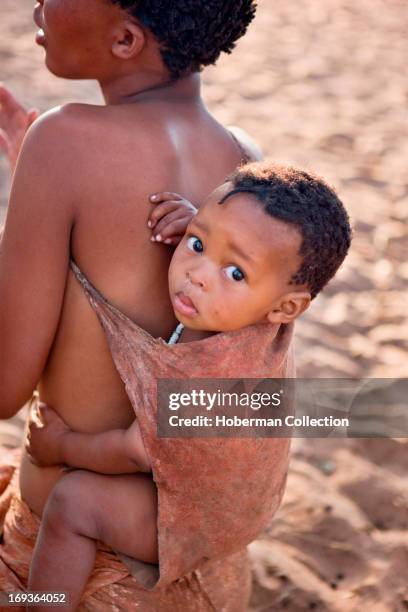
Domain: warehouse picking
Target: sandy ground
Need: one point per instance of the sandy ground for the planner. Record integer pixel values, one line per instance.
(323, 85)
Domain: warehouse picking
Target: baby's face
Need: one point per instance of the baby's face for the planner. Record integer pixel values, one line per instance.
(233, 266)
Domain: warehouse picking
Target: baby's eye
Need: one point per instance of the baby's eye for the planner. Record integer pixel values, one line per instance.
(195, 244)
(234, 273)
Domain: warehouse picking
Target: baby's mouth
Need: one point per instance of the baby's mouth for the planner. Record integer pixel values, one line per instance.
(184, 305)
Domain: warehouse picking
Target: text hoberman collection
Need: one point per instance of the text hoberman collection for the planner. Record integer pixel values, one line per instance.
(235, 421)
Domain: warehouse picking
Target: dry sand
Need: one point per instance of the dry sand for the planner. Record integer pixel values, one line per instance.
(323, 85)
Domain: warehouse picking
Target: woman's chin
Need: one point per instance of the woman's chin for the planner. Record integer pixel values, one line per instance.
(51, 66)
(58, 70)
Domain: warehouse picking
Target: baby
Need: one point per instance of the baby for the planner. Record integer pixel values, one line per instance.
(261, 248)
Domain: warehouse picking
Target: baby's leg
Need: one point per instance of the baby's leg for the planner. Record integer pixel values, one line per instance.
(83, 507)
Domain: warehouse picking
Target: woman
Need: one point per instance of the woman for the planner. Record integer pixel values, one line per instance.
(81, 190)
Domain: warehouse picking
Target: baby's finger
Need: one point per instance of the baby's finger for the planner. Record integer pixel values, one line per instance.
(176, 227)
(173, 241)
(164, 196)
(160, 211)
(165, 221)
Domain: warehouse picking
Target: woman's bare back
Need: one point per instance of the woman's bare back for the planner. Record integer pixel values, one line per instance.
(127, 153)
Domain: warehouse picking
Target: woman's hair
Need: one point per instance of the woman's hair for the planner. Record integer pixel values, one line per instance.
(192, 33)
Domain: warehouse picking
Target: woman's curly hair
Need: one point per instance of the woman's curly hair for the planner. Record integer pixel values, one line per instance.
(192, 33)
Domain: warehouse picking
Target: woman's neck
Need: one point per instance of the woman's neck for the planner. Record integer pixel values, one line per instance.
(134, 88)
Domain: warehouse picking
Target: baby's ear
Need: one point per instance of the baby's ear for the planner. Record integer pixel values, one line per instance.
(129, 40)
(289, 307)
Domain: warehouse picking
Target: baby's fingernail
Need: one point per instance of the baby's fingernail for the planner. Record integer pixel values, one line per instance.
(159, 238)
(149, 224)
(153, 239)
(153, 197)
(168, 241)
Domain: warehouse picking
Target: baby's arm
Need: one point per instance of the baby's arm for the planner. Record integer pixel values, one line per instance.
(170, 217)
(51, 442)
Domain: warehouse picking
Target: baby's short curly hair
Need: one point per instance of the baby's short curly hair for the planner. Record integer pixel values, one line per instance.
(307, 202)
(192, 33)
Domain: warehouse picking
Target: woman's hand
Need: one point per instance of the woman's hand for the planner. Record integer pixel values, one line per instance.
(14, 122)
(46, 431)
(170, 217)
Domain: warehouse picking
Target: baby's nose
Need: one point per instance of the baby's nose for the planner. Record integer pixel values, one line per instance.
(196, 278)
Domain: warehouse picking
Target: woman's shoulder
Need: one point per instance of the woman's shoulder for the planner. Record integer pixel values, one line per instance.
(81, 137)
(248, 145)
(67, 120)
(59, 130)
(85, 127)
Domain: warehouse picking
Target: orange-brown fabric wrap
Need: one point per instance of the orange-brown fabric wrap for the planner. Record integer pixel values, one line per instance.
(215, 495)
(221, 585)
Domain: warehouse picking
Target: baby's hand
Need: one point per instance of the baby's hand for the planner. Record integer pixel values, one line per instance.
(170, 217)
(44, 437)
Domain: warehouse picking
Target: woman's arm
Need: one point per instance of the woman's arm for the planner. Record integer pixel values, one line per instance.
(34, 257)
(51, 442)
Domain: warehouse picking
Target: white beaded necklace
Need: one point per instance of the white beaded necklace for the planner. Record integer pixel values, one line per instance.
(175, 336)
